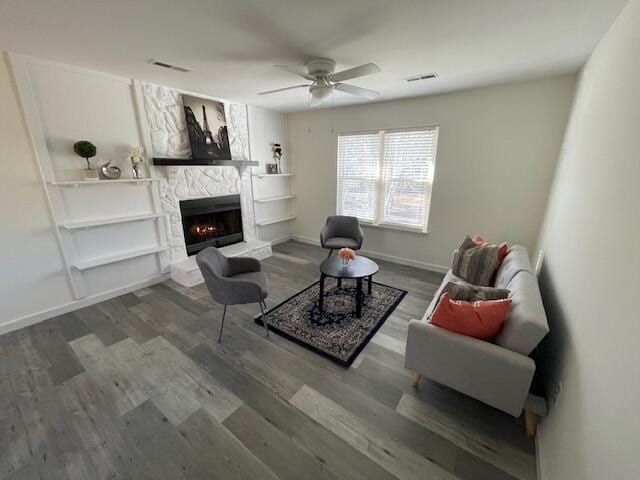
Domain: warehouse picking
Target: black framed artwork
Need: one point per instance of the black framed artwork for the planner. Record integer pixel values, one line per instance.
(207, 128)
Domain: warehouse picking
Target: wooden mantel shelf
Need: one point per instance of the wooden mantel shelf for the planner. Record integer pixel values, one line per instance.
(192, 162)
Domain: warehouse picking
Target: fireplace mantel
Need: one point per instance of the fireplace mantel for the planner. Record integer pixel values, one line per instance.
(192, 162)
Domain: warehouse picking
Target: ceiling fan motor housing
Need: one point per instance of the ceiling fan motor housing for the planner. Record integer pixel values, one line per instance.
(321, 67)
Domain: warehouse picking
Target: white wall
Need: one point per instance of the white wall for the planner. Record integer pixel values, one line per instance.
(64, 104)
(267, 127)
(497, 152)
(32, 276)
(589, 276)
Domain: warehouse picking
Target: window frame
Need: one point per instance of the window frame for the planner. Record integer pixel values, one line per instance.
(381, 182)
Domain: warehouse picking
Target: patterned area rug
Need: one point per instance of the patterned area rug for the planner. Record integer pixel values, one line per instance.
(336, 333)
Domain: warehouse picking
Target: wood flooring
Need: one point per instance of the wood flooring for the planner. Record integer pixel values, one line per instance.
(138, 388)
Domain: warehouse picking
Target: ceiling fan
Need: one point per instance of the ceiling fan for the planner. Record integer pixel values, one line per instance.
(320, 72)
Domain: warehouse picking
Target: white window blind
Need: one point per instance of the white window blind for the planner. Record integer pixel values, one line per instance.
(385, 178)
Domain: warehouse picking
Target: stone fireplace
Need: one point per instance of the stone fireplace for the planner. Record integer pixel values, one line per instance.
(181, 185)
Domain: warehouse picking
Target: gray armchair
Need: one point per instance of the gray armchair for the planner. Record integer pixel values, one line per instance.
(341, 231)
(234, 281)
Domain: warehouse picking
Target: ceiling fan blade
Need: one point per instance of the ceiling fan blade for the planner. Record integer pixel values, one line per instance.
(296, 70)
(358, 91)
(355, 72)
(282, 89)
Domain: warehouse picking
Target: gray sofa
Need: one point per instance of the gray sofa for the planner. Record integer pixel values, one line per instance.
(497, 373)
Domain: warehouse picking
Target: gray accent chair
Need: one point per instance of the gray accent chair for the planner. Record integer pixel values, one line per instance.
(341, 231)
(498, 373)
(234, 281)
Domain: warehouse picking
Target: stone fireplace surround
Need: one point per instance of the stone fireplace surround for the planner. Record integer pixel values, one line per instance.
(169, 138)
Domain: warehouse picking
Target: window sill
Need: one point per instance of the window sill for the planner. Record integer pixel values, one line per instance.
(398, 228)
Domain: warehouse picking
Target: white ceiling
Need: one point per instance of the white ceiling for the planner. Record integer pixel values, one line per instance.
(232, 45)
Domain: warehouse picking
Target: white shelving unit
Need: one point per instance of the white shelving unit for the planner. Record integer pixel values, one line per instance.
(273, 204)
(100, 261)
(274, 175)
(111, 234)
(263, 223)
(93, 183)
(274, 199)
(111, 221)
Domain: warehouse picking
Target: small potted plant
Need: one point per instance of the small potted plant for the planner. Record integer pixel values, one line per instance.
(346, 254)
(136, 157)
(86, 150)
(277, 155)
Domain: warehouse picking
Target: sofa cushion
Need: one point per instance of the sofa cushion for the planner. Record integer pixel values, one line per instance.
(526, 324)
(502, 248)
(476, 263)
(481, 320)
(517, 260)
(449, 277)
(340, 242)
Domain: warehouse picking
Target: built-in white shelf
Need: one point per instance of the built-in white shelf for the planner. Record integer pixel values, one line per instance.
(274, 199)
(267, 175)
(98, 262)
(275, 220)
(91, 183)
(110, 221)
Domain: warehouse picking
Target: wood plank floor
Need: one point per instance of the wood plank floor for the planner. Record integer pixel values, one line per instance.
(137, 387)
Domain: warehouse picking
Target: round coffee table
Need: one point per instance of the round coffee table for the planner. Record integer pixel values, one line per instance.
(358, 268)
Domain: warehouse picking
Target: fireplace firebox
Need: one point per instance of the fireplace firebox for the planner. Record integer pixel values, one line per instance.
(214, 221)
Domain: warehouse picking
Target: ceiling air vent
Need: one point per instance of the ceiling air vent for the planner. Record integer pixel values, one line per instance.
(158, 63)
(424, 76)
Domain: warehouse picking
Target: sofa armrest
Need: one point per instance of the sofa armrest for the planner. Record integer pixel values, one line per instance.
(483, 370)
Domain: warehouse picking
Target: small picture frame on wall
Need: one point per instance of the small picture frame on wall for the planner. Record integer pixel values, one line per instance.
(272, 168)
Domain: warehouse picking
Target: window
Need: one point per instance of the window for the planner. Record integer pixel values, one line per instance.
(385, 177)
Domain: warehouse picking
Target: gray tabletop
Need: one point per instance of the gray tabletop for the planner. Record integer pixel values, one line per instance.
(359, 267)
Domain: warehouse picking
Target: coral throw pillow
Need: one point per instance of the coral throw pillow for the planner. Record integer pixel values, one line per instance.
(482, 320)
(502, 251)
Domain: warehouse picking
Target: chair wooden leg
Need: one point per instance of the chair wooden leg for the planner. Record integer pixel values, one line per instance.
(416, 378)
(224, 312)
(530, 423)
(264, 317)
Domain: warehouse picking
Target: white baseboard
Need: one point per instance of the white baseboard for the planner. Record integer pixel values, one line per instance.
(383, 256)
(38, 317)
(284, 238)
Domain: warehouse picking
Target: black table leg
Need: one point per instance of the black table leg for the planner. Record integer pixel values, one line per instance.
(339, 283)
(320, 300)
(369, 284)
(359, 298)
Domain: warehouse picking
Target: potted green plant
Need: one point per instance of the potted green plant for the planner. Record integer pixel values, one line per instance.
(86, 150)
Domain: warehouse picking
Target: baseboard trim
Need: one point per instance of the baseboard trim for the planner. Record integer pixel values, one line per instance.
(383, 256)
(284, 238)
(38, 317)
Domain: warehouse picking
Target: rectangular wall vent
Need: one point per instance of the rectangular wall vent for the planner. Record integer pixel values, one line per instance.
(424, 76)
(158, 63)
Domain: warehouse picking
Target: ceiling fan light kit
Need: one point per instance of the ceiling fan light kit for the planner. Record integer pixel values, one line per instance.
(321, 72)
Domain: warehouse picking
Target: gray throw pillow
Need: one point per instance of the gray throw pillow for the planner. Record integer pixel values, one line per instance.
(476, 264)
(473, 293)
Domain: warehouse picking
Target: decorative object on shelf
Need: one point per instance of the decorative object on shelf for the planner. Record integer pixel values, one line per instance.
(207, 127)
(272, 168)
(86, 150)
(136, 157)
(346, 254)
(110, 172)
(277, 155)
